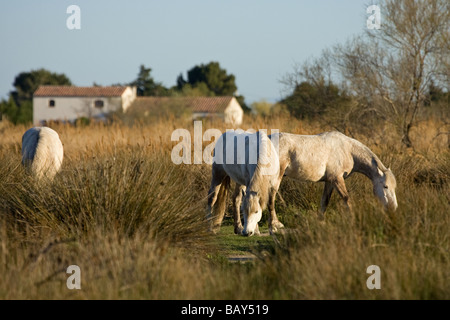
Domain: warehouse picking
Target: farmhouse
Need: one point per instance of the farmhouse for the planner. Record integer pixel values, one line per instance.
(223, 107)
(68, 103)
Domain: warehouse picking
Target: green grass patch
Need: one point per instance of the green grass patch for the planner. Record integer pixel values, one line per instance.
(233, 244)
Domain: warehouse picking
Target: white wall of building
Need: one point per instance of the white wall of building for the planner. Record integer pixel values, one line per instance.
(128, 97)
(71, 108)
(233, 113)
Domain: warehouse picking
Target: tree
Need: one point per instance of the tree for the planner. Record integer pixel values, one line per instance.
(180, 82)
(216, 79)
(146, 85)
(9, 109)
(200, 90)
(266, 109)
(262, 107)
(26, 83)
(209, 80)
(310, 100)
(391, 69)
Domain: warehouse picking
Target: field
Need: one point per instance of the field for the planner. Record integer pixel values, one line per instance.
(134, 223)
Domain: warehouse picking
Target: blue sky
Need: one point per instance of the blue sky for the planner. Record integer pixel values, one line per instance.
(257, 41)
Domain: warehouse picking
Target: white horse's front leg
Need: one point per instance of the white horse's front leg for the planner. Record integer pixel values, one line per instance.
(237, 196)
(274, 223)
(339, 185)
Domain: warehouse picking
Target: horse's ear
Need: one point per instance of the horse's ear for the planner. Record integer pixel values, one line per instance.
(380, 172)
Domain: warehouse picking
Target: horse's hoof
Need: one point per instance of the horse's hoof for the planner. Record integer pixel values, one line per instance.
(238, 230)
(214, 229)
(272, 230)
(275, 227)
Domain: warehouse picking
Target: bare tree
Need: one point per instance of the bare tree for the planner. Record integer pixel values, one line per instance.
(390, 69)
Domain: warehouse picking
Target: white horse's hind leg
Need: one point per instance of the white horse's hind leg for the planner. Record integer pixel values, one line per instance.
(216, 193)
(327, 191)
(212, 198)
(217, 204)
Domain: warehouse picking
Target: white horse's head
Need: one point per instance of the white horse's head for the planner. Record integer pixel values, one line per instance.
(252, 213)
(384, 188)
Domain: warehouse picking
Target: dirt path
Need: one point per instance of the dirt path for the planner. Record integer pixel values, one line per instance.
(241, 258)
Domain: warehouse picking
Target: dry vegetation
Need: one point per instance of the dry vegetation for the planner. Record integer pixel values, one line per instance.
(133, 222)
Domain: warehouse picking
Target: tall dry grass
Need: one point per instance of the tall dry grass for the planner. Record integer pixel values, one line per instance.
(134, 223)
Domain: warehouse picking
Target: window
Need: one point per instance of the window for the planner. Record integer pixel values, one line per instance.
(51, 103)
(98, 103)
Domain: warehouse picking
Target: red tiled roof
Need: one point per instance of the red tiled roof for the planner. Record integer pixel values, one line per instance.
(72, 91)
(197, 104)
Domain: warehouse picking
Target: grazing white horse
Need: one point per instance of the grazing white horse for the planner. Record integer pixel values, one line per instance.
(42, 152)
(250, 160)
(332, 157)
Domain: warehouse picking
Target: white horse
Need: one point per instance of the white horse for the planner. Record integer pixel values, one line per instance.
(250, 160)
(42, 152)
(332, 157)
